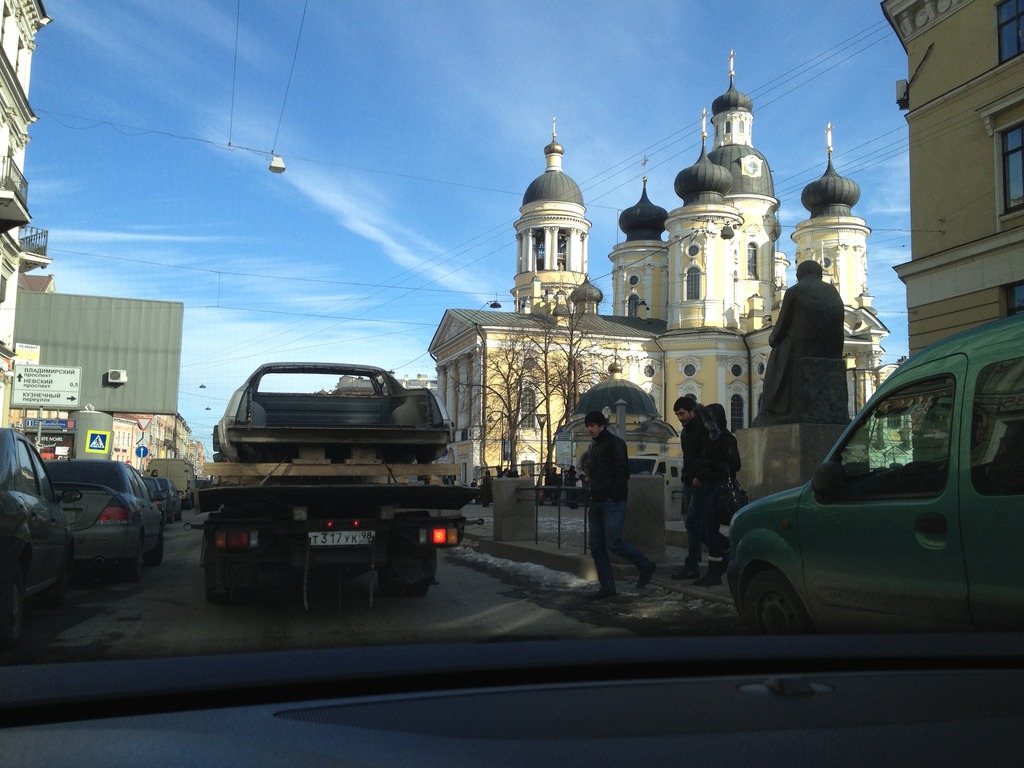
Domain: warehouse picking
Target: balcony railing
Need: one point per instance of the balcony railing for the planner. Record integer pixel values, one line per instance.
(12, 179)
(33, 240)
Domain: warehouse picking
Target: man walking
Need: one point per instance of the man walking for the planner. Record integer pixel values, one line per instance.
(608, 472)
(694, 439)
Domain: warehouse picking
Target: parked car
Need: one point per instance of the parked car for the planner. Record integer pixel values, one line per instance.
(913, 522)
(36, 545)
(115, 522)
(166, 496)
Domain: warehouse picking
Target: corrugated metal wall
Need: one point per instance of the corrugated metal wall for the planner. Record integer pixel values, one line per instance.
(98, 334)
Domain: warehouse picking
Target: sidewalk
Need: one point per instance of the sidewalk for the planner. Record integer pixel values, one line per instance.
(570, 558)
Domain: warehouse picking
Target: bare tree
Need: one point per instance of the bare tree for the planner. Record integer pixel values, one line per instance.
(509, 379)
(570, 356)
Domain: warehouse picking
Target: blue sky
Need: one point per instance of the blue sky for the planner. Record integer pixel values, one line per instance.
(410, 131)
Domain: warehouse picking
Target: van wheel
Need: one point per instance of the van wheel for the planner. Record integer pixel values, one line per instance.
(12, 609)
(772, 607)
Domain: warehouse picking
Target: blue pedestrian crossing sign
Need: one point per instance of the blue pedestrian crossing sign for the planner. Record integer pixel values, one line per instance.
(97, 441)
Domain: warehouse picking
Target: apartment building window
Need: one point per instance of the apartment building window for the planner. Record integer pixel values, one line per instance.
(1011, 17)
(1015, 300)
(1013, 167)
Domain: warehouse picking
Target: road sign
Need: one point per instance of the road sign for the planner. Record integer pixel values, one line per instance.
(142, 451)
(43, 385)
(143, 423)
(97, 441)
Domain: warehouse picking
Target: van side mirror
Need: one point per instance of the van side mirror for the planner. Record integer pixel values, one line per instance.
(829, 479)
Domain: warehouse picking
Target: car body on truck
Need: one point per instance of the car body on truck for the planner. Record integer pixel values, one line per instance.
(327, 467)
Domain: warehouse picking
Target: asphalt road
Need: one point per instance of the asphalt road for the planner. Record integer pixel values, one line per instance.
(477, 599)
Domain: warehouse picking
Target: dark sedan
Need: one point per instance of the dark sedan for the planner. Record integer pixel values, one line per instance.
(36, 545)
(115, 522)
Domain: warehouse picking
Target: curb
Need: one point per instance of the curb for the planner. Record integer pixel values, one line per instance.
(549, 556)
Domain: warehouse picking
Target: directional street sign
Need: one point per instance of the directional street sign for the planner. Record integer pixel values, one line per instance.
(44, 385)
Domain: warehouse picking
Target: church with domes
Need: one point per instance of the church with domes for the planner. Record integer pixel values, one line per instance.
(695, 291)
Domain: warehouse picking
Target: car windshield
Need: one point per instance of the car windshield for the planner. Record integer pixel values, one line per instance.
(624, 326)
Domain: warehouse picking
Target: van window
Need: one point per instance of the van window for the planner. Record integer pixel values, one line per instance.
(997, 429)
(901, 448)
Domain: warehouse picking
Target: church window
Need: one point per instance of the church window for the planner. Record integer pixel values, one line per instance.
(752, 261)
(737, 370)
(529, 407)
(739, 127)
(633, 279)
(736, 410)
(633, 305)
(563, 247)
(693, 276)
(728, 126)
(539, 248)
(690, 369)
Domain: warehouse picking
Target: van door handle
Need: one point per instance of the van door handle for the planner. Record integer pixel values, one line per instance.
(932, 523)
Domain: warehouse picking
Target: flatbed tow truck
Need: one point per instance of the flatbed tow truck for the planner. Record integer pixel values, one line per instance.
(341, 482)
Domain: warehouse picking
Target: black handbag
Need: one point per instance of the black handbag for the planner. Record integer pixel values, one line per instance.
(731, 498)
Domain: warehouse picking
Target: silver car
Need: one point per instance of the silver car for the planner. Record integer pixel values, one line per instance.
(115, 522)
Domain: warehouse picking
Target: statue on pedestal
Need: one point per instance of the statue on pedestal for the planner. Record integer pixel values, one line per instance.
(805, 382)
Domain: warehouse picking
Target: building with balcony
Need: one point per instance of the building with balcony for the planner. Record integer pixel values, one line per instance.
(964, 99)
(22, 247)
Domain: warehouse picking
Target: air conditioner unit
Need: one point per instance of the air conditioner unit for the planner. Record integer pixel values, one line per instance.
(117, 377)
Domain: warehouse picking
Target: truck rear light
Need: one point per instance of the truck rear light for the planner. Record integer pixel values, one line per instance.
(236, 539)
(114, 513)
(443, 536)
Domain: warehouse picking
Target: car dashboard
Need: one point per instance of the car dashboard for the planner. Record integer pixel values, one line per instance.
(658, 701)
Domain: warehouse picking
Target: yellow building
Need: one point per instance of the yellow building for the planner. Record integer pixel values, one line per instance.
(694, 293)
(964, 96)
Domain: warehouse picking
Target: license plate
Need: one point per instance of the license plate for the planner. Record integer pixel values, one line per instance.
(340, 538)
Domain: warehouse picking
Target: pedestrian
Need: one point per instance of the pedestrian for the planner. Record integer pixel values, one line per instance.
(720, 461)
(486, 491)
(693, 437)
(569, 479)
(608, 470)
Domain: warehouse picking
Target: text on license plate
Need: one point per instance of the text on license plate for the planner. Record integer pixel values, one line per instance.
(340, 538)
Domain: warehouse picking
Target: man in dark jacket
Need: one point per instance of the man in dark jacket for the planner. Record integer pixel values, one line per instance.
(693, 437)
(609, 486)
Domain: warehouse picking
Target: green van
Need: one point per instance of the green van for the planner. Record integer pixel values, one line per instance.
(915, 521)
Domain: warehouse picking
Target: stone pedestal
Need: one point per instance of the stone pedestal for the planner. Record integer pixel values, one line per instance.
(514, 510)
(645, 516)
(782, 456)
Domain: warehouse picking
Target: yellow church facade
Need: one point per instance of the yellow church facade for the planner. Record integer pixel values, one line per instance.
(695, 291)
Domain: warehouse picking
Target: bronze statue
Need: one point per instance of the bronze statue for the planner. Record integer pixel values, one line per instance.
(805, 381)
